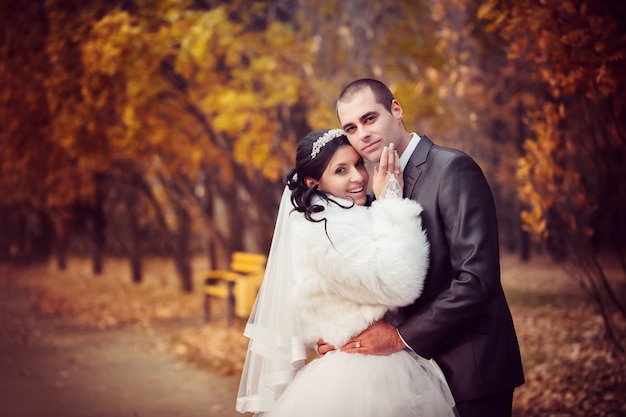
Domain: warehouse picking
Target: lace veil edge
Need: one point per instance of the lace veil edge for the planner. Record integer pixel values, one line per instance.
(276, 349)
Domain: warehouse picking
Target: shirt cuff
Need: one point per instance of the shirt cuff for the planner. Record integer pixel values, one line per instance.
(403, 341)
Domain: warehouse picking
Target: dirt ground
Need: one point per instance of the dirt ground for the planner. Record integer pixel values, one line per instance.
(51, 368)
(77, 345)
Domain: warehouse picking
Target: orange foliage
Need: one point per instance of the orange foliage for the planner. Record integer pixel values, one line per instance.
(574, 49)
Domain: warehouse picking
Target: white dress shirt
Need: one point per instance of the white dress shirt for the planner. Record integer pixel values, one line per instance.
(406, 155)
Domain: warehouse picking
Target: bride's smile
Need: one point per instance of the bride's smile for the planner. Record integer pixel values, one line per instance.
(346, 176)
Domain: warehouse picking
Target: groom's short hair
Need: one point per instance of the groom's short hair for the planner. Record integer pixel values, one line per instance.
(381, 92)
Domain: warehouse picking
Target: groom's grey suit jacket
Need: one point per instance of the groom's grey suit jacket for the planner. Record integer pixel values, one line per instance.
(462, 319)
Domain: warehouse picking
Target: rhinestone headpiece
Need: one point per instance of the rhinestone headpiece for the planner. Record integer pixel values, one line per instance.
(324, 139)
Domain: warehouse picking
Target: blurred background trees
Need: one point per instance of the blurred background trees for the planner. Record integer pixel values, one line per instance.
(571, 173)
(164, 127)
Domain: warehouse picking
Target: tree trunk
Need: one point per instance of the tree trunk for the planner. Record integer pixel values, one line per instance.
(208, 206)
(61, 248)
(524, 237)
(183, 261)
(134, 244)
(235, 219)
(99, 225)
(525, 244)
(21, 254)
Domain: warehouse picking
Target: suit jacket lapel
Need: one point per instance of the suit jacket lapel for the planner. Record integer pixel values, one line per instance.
(414, 168)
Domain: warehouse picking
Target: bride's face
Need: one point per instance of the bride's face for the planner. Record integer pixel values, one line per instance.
(346, 176)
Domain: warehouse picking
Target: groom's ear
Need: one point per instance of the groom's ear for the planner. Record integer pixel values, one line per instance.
(396, 109)
(310, 182)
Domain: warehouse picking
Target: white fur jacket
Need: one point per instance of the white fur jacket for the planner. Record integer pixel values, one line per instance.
(373, 260)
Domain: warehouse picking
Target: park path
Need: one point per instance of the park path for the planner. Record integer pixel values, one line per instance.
(49, 368)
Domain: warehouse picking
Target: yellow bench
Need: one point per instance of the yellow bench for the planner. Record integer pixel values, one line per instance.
(238, 286)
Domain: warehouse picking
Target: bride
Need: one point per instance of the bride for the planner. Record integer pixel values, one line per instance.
(338, 264)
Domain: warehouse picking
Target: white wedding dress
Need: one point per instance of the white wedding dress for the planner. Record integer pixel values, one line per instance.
(355, 268)
(344, 384)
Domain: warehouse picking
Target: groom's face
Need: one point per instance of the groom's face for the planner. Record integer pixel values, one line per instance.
(369, 126)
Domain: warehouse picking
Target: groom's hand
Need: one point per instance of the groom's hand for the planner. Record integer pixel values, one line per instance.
(381, 338)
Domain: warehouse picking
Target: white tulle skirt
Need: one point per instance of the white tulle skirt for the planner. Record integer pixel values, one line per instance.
(344, 385)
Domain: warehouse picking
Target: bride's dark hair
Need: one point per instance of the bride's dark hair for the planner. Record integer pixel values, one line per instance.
(302, 197)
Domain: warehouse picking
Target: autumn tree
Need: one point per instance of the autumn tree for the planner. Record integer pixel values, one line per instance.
(571, 173)
(199, 104)
(36, 173)
(196, 107)
(200, 92)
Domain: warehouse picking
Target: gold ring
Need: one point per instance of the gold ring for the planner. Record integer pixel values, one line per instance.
(358, 344)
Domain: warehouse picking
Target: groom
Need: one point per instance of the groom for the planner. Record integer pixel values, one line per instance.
(462, 319)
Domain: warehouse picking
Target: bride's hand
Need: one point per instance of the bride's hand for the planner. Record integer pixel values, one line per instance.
(323, 347)
(389, 166)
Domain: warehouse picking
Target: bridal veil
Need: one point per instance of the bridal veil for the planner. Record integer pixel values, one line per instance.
(276, 349)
